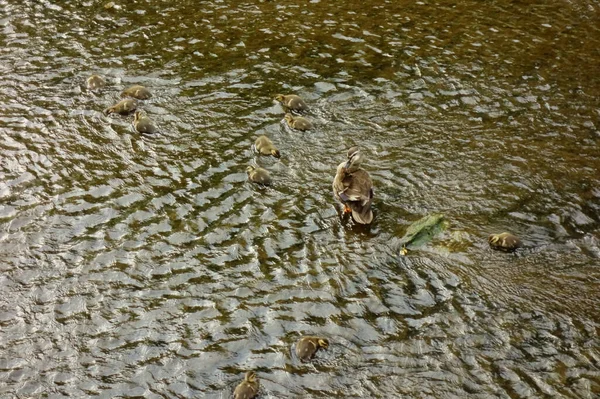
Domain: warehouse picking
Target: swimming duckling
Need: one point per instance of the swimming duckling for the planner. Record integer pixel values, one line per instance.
(504, 242)
(136, 91)
(352, 186)
(307, 347)
(258, 175)
(266, 147)
(292, 102)
(248, 388)
(142, 123)
(298, 122)
(123, 107)
(95, 82)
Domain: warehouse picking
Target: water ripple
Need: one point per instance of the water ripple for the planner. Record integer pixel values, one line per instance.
(149, 266)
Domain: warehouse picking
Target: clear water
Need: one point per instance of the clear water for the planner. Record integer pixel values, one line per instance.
(149, 267)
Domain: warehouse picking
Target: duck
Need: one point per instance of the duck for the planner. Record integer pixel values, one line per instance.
(265, 146)
(95, 82)
(136, 91)
(352, 186)
(504, 242)
(292, 102)
(259, 175)
(308, 346)
(248, 388)
(142, 123)
(123, 107)
(298, 122)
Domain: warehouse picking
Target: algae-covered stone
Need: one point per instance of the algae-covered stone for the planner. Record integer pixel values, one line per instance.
(422, 231)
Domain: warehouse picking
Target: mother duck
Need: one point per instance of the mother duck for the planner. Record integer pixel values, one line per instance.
(352, 186)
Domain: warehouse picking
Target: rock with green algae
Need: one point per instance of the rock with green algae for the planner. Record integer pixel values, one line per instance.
(422, 231)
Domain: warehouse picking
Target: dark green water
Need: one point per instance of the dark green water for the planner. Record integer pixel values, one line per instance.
(149, 267)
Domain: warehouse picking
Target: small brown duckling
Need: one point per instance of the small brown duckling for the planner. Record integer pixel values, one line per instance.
(266, 147)
(258, 175)
(352, 186)
(292, 102)
(136, 91)
(298, 122)
(504, 242)
(95, 82)
(248, 388)
(142, 123)
(123, 107)
(307, 347)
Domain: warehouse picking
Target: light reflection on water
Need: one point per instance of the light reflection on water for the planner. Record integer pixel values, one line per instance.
(149, 266)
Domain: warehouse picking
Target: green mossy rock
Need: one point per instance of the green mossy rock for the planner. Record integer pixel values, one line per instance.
(422, 231)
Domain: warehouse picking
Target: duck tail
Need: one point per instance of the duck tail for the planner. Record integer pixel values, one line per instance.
(364, 217)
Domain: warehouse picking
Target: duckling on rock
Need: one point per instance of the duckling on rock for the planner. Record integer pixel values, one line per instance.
(123, 107)
(136, 91)
(95, 82)
(248, 388)
(266, 147)
(259, 175)
(142, 123)
(504, 242)
(292, 102)
(307, 347)
(352, 186)
(298, 122)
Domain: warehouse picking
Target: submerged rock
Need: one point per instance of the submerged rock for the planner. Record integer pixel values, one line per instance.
(422, 231)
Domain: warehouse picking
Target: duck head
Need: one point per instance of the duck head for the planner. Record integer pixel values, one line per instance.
(250, 376)
(138, 115)
(355, 157)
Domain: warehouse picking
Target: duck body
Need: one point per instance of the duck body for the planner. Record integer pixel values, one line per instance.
(248, 388)
(265, 146)
(292, 102)
(308, 346)
(352, 186)
(143, 124)
(504, 242)
(136, 91)
(298, 122)
(95, 82)
(123, 107)
(259, 175)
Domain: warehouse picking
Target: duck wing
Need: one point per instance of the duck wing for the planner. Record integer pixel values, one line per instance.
(357, 187)
(358, 195)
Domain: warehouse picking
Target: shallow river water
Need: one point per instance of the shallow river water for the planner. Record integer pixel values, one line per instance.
(149, 267)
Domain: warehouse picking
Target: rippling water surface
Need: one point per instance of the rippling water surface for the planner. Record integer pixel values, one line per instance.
(149, 267)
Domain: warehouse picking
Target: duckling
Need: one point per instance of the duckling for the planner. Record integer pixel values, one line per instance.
(123, 107)
(248, 388)
(298, 122)
(136, 91)
(258, 175)
(307, 347)
(292, 102)
(142, 123)
(95, 82)
(266, 147)
(352, 186)
(504, 242)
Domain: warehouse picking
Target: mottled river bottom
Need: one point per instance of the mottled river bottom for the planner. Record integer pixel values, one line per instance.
(139, 266)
